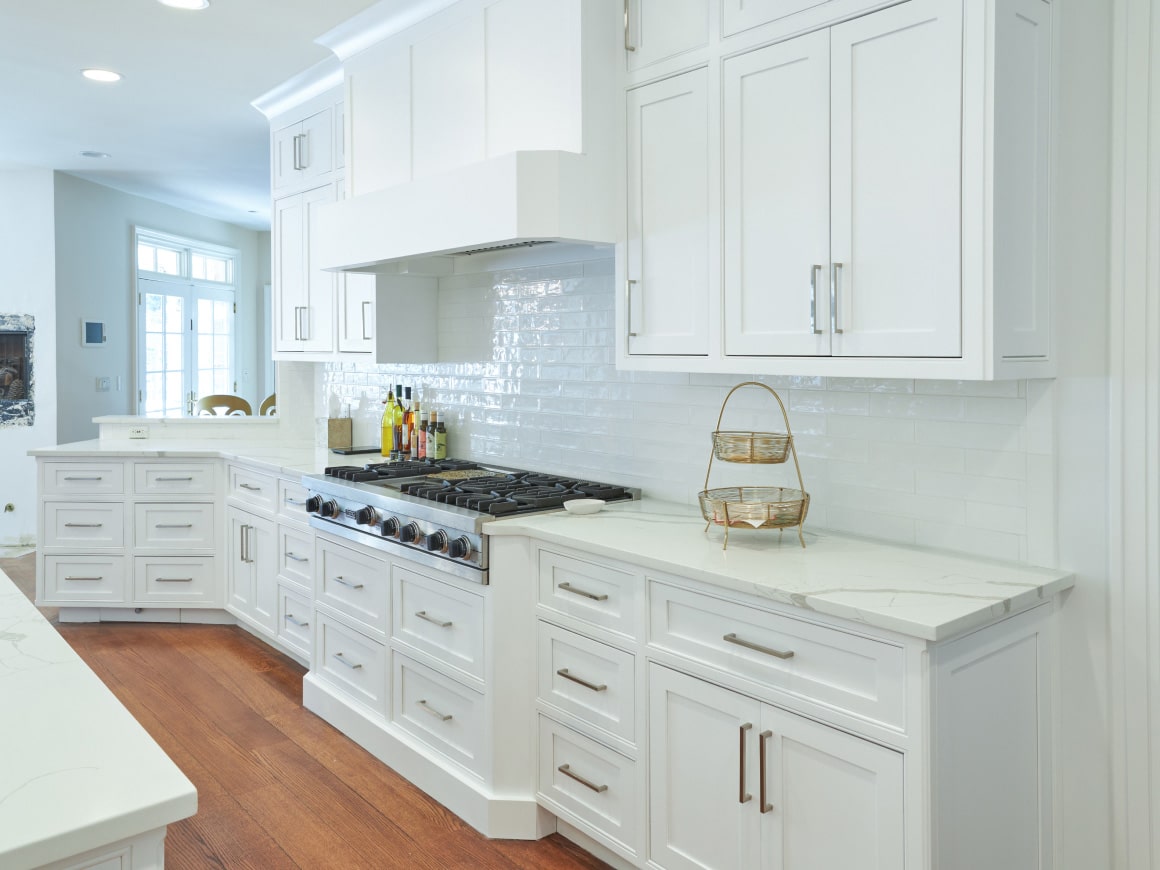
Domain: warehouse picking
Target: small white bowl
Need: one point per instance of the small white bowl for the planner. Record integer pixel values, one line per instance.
(584, 505)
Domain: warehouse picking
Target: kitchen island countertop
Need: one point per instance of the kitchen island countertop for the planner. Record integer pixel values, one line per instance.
(925, 593)
(77, 771)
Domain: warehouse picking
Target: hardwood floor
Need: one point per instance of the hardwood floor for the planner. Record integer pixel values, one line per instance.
(277, 786)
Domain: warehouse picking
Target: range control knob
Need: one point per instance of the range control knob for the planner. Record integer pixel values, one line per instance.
(366, 516)
(460, 548)
(314, 504)
(436, 541)
(390, 527)
(329, 509)
(409, 533)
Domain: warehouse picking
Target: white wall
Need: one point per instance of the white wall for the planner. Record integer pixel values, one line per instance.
(94, 233)
(27, 287)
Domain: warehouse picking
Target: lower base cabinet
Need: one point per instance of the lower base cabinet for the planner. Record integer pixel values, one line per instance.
(736, 783)
(252, 593)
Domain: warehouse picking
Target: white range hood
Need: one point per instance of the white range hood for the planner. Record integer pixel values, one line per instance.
(514, 199)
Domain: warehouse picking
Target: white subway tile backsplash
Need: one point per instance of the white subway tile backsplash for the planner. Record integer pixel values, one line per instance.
(530, 380)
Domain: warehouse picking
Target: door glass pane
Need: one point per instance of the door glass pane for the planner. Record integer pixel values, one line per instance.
(154, 319)
(205, 351)
(154, 394)
(154, 361)
(174, 316)
(168, 262)
(146, 259)
(174, 355)
(222, 381)
(198, 266)
(205, 384)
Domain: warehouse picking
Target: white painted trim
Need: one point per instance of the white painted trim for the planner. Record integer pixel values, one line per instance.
(1134, 490)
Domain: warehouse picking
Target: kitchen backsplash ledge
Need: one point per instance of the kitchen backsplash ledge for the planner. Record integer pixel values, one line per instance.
(938, 463)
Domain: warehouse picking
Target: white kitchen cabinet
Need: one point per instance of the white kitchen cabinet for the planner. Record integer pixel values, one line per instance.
(885, 193)
(356, 308)
(668, 253)
(896, 219)
(252, 591)
(656, 30)
(776, 161)
(303, 294)
(303, 152)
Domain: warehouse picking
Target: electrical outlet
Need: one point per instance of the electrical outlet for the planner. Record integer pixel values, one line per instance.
(138, 431)
(104, 384)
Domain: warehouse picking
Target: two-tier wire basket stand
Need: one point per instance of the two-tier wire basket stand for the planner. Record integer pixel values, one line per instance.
(754, 507)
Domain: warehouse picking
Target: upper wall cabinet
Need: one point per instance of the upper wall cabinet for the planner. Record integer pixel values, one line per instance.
(655, 30)
(303, 152)
(870, 198)
(479, 79)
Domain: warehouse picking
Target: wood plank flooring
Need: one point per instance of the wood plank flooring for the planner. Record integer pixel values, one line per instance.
(277, 786)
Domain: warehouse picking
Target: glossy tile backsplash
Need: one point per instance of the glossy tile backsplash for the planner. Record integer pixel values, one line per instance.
(964, 465)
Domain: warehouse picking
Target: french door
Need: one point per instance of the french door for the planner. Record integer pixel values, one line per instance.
(185, 344)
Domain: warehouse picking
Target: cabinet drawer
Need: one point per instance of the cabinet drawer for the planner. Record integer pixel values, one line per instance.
(440, 712)
(67, 524)
(590, 786)
(355, 584)
(350, 661)
(88, 478)
(292, 500)
(739, 15)
(590, 680)
(597, 594)
(253, 487)
(295, 615)
(175, 580)
(296, 556)
(168, 478)
(441, 620)
(88, 579)
(169, 527)
(851, 673)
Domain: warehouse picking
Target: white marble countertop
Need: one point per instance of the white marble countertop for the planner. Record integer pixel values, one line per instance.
(923, 593)
(279, 457)
(77, 771)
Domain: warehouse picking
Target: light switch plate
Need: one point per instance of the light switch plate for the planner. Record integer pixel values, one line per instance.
(104, 384)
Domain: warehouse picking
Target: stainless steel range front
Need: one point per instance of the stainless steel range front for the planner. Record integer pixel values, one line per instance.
(433, 512)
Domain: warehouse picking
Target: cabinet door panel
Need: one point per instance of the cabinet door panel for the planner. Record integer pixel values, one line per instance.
(317, 148)
(239, 572)
(896, 189)
(669, 217)
(356, 311)
(777, 188)
(834, 801)
(738, 15)
(265, 565)
(318, 329)
(284, 174)
(658, 29)
(289, 287)
(698, 774)
(447, 99)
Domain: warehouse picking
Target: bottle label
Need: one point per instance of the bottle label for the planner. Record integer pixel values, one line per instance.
(422, 444)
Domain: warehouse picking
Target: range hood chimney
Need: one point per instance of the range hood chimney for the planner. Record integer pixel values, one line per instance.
(519, 199)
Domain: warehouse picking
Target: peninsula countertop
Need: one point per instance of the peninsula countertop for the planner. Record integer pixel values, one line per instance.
(929, 594)
(77, 772)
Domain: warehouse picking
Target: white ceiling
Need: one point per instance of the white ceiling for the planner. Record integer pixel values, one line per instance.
(179, 127)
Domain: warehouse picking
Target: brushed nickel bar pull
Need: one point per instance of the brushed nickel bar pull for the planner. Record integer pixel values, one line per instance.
(835, 295)
(98, 477)
(422, 614)
(766, 807)
(743, 797)
(172, 479)
(748, 644)
(340, 579)
(354, 666)
(173, 579)
(442, 717)
(628, 306)
(587, 783)
(563, 672)
(93, 579)
(305, 322)
(628, 46)
(299, 161)
(245, 544)
(297, 323)
(250, 487)
(174, 526)
(295, 501)
(814, 270)
(568, 587)
(296, 557)
(364, 322)
(301, 623)
(83, 525)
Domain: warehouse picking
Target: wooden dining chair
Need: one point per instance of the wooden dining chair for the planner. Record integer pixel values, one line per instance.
(269, 406)
(234, 406)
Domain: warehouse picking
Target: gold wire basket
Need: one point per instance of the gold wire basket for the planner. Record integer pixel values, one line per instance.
(755, 507)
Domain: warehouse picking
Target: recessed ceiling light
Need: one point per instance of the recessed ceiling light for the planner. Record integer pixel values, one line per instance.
(97, 154)
(185, 4)
(101, 75)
